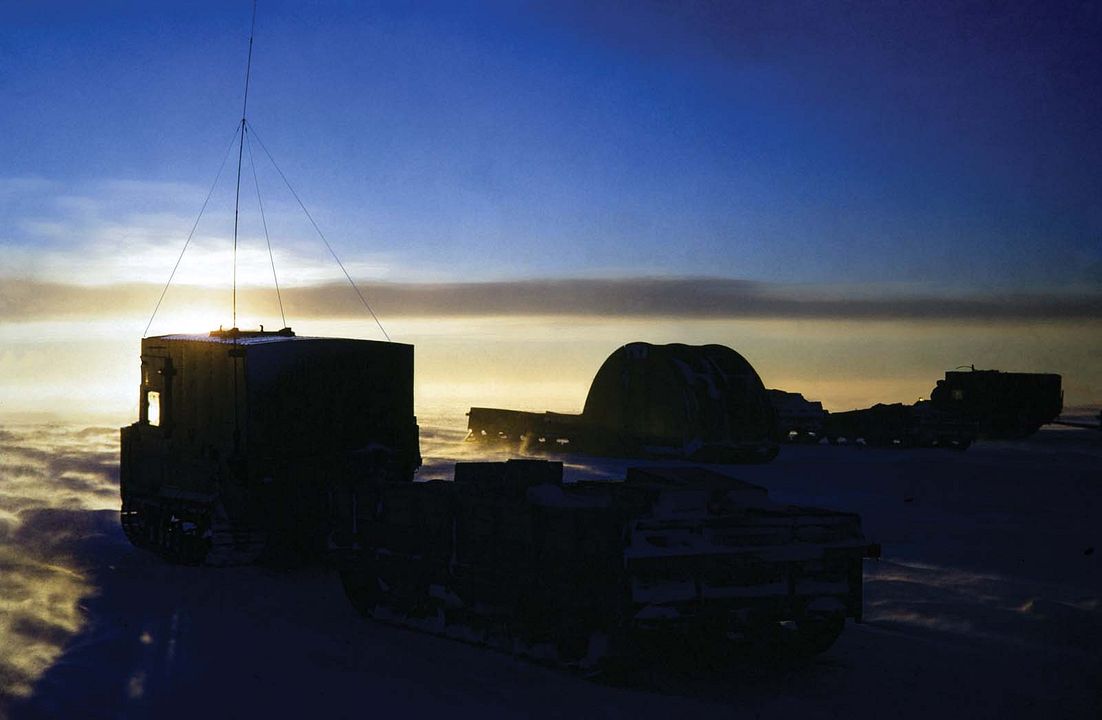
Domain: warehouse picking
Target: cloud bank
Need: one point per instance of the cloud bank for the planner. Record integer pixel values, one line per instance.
(633, 297)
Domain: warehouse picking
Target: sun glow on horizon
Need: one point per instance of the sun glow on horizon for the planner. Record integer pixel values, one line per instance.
(91, 368)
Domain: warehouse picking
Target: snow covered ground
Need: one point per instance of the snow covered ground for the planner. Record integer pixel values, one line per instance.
(987, 603)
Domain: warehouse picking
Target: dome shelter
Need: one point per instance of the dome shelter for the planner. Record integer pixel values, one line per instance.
(700, 402)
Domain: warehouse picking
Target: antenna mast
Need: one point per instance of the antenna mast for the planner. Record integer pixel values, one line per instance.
(240, 153)
(240, 137)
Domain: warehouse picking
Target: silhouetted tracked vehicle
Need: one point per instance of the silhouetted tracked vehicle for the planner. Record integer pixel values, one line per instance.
(244, 438)
(962, 407)
(703, 403)
(510, 556)
(1003, 404)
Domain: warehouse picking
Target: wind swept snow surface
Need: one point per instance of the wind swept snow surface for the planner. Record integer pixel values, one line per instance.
(985, 604)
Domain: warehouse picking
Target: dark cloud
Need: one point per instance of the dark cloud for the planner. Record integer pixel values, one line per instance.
(31, 299)
(706, 298)
(96, 432)
(22, 470)
(82, 487)
(47, 533)
(42, 630)
(689, 297)
(103, 463)
(12, 449)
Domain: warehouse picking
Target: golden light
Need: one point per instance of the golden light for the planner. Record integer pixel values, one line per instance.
(153, 400)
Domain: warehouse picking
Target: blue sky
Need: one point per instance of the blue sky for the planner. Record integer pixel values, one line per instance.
(855, 196)
(928, 145)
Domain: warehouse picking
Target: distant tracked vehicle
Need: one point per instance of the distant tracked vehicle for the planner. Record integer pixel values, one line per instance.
(962, 407)
(1004, 405)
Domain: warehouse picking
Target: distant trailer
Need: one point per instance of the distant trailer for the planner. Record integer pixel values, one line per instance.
(899, 425)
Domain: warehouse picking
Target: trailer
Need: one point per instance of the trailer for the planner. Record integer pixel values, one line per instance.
(583, 574)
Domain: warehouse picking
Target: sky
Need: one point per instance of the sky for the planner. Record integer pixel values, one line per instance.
(855, 196)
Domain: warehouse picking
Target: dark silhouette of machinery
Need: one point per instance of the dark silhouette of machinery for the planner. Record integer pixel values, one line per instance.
(962, 407)
(240, 435)
(254, 441)
(511, 556)
(1003, 404)
(899, 425)
(703, 403)
(798, 419)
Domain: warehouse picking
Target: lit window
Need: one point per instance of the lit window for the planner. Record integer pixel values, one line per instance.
(958, 394)
(153, 402)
